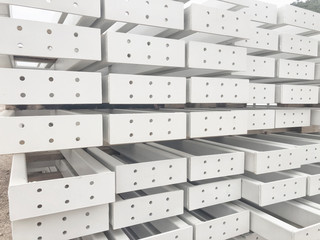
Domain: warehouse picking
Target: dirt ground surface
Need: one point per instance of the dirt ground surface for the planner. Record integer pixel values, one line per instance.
(5, 228)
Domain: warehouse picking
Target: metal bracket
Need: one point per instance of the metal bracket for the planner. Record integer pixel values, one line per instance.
(218, 222)
(205, 161)
(140, 166)
(140, 207)
(139, 89)
(26, 87)
(44, 130)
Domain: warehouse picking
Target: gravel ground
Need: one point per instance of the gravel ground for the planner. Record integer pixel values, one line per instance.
(5, 228)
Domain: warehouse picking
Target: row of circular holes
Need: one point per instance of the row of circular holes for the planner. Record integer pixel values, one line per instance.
(221, 96)
(298, 65)
(301, 98)
(266, 16)
(148, 57)
(223, 28)
(23, 95)
(50, 124)
(39, 224)
(218, 171)
(216, 188)
(301, 89)
(150, 134)
(153, 181)
(50, 48)
(127, 13)
(292, 122)
(285, 114)
(39, 206)
(150, 96)
(51, 79)
(148, 43)
(220, 118)
(220, 129)
(51, 140)
(153, 169)
(224, 223)
(49, 31)
(222, 15)
(150, 83)
(67, 186)
(219, 50)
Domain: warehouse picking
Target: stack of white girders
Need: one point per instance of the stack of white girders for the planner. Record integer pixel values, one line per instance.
(146, 119)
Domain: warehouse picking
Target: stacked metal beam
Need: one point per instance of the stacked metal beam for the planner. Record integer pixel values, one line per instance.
(146, 120)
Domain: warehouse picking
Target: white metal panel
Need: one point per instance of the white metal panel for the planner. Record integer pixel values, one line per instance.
(217, 90)
(297, 94)
(147, 208)
(215, 56)
(25, 86)
(296, 44)
(139, 89)
(260, 11)
(312, 172)
(52, 41)
(226, 22)
(69, 193)
(217, 123)
(262, 156)
(315, 117)
(226, 221)
(272, 188)
(138, 49)
(31, 132)
(78, 7)
(166, 13)
(65, 225)
(258, 67)
(309, 147)
(261, 93)
(291, 214)
(299, 17)
(208, 193)
(144, 127)
(205, 161)
(141, 166)
(138, 176)
(290, 69)
(261, 119)
(260, 38)
(290, 117)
